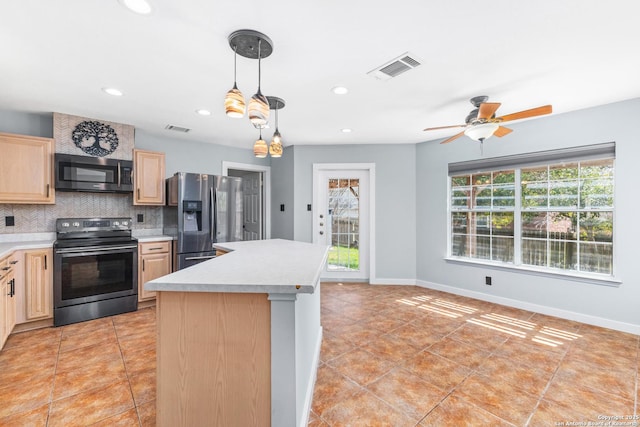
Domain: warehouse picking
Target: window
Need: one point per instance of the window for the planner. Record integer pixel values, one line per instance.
(556, 216)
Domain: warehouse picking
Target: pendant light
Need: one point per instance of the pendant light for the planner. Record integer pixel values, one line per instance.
(258, 105)
(234, 101)
(275, 148)
(260, 148)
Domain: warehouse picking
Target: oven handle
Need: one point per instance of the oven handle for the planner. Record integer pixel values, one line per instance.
(91, 249)
(193, 258)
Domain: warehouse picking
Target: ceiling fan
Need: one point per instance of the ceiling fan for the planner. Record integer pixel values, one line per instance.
(481, 123)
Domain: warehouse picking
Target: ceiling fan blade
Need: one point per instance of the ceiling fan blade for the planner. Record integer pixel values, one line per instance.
(502, 131)
(454, 137)
(545, 109)
(446, 127)
(488, 109)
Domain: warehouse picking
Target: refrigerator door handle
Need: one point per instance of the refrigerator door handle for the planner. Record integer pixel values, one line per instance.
(212, 214)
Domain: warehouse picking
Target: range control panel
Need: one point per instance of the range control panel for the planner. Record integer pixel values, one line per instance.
(65, 225)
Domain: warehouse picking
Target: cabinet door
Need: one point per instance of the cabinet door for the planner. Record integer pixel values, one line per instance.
(3, 310)
(151, 267)
(38, 283)
(26, 169)
(148, 177)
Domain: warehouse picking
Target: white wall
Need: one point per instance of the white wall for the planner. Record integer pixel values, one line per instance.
(592, 303)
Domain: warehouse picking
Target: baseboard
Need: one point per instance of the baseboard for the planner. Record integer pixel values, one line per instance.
(403, 282)
(306, 410)
(537, 308)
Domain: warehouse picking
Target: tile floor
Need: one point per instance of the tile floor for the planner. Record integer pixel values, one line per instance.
(100, 372)
(391, 356)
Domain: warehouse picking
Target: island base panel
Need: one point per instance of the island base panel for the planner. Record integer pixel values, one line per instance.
(214, 359)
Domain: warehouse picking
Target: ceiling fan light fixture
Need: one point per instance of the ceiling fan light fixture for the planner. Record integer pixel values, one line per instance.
(482, 131)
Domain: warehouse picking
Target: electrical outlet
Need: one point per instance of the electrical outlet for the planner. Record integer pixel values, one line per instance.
(309, 207)
(140, 217)
(487, 280)
(9, 221)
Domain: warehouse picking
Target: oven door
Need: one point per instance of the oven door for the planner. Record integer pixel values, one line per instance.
(94, 273)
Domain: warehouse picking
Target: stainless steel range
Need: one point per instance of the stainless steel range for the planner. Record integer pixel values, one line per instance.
(95, 269)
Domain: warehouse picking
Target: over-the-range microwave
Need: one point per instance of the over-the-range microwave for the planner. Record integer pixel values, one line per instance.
(95, 174)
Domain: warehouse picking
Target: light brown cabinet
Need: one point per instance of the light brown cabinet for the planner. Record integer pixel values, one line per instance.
(26, 169)
(38, 284)
(7, 298)
(148, 178)
(154, 260)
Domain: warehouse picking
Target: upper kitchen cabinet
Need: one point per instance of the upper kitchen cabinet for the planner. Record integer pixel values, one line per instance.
(148, 181)
(26, 169)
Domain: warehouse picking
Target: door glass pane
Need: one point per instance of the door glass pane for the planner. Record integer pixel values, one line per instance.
(344, 221)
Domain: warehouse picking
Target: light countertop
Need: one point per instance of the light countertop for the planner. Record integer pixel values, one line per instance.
(154, 238)
(258, 266)
(7, 247)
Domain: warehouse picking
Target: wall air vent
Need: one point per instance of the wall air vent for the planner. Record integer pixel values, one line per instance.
(177, 128)
(395, 67)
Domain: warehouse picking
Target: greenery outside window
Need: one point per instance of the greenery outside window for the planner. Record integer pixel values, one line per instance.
(557, 216)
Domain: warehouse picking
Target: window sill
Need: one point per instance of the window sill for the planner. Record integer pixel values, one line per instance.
(578, 277)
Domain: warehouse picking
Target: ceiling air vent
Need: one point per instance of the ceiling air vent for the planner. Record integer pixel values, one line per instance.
(177, 128)
(395, 67)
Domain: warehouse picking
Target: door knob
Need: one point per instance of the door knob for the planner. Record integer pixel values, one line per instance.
(321, 233)
(321, 216)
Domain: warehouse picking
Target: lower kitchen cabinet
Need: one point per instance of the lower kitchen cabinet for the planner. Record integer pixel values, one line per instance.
(38, 284)
(154, 260)
(7, 298)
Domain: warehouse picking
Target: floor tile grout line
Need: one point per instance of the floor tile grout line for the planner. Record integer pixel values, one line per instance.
(55, 372)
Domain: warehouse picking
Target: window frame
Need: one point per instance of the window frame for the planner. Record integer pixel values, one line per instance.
(518, 210)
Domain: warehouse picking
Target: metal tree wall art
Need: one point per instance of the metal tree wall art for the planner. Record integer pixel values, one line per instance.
(95, 138)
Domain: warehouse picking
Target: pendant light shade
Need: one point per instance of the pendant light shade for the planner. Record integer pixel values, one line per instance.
(260, 148)
(234, 104)
(275, 148)
(259, 110)
(259, 106)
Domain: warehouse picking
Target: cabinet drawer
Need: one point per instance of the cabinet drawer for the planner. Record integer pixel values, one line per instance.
(154, 247)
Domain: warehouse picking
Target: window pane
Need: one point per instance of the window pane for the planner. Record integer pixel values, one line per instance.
(480, 223)
(596, 193)
(562, 225)
(504, 188)
(459, 246)
(563, 254)
(502, 224)
(563, 193)
(460, 181)
(482, 247)
(502, 249)
(482, 196)
(534, 252)
(596, 227)
(596, 258)
(459, 221)
(534, 182)
(461, 197)
(534, 224)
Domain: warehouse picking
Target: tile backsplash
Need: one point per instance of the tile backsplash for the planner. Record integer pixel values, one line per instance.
(42, 218)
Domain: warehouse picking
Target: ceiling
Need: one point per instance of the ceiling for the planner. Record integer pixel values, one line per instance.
(573, 54)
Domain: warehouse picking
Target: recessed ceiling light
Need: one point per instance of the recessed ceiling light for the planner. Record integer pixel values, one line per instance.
(340, 90)
(112, 91)
(142, 7)
(345, 130)
(203, 112)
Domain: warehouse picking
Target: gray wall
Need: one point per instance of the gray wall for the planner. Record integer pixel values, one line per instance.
(34, 124)
(395, 211)
(615, 122)
(192, 156)
(282, 185)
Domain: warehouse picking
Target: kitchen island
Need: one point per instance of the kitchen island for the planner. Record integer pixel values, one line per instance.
(239, 336)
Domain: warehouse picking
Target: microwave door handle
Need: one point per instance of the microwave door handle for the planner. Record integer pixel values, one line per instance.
(118, 174)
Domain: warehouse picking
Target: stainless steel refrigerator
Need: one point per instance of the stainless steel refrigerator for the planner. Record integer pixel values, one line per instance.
(202, 210)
